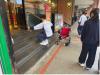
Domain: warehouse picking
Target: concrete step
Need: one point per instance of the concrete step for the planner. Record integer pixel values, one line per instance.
(27, 50)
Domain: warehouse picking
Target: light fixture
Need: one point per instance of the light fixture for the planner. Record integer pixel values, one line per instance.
(53, 4)
(5, 0)
(45, 0)
(86, 9)
(49, 1)
(69, 4)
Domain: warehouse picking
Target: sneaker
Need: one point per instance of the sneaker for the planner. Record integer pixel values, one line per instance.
(81, 64)
(79, 36)
(45, 42)
(86, 68)
(42, 43)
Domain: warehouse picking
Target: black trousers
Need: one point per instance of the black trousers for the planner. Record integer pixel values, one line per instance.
(89, 50)
(79, 29)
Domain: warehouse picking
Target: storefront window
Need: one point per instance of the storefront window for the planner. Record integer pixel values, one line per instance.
(34, 7)
(37, 8)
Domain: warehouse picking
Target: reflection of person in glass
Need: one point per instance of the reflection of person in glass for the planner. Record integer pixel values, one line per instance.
(47, 31)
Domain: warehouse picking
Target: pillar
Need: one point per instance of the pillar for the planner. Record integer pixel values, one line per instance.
(65, 7)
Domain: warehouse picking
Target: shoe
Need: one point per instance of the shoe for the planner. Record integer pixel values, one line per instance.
(81, 64)
(45, 42)
(42, 43)
(86, 68)
(79, 36)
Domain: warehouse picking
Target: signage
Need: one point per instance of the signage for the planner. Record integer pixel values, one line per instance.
(58, 21)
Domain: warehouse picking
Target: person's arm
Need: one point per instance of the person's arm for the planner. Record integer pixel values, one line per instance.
(80, 20)
(84, 31)
(39, 26)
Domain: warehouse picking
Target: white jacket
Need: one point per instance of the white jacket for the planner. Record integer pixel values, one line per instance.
(47, 27)
(82, 20)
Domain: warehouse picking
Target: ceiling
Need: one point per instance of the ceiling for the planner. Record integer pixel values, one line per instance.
(80, 3)
(83, 3)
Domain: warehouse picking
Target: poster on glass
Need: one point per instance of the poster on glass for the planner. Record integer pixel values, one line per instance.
(58, 22)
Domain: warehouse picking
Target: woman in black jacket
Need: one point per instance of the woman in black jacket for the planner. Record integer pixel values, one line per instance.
(90, 40)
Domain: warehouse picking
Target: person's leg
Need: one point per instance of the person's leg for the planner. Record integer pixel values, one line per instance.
(67, 41)
(83, 55)
(58, 39)
(78, 30)
(44, 39)
(91, 56)
(81, 28)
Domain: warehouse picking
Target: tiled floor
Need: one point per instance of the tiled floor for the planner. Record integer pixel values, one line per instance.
(65, 60)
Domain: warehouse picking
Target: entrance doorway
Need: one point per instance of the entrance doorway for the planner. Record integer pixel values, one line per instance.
(16, 14)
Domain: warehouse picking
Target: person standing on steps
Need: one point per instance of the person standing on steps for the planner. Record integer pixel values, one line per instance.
(46, 30)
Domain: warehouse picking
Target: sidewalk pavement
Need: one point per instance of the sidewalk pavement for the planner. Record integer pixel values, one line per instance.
(63, 59)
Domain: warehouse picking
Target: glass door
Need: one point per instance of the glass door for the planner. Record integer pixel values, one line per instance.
(4, 55)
